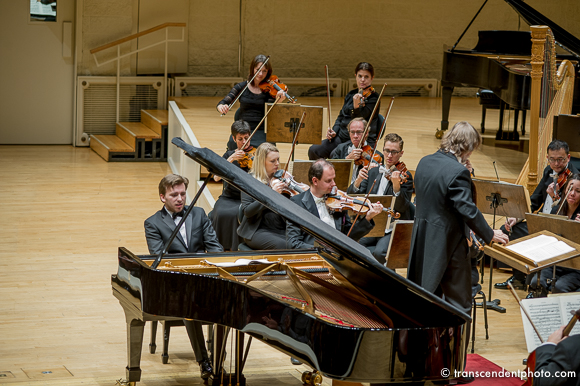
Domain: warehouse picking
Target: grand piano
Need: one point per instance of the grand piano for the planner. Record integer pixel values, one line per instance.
(499, 62)
(334, 308)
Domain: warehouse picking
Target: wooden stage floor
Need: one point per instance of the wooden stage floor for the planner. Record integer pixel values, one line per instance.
(65, 212)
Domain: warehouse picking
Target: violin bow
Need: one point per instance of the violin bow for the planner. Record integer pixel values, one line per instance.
(571, 323)
(382, 129)
(360, 210)
(328, 93)
(360, 145)
(513, 291)
(248, 84)
(294, 142)
(265, 115)
(565, 198)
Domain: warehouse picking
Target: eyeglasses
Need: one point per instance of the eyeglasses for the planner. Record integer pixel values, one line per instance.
(357, 132)
(557, 160)
(393, 152)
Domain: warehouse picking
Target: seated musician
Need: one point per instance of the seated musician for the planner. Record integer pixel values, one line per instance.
(196, 236)
(260, 227)
(350, 149)
(224, 215)
(558, 354)
(321, 177)
(545, 197)
(567, 279)
(358, 103)
(386, 181)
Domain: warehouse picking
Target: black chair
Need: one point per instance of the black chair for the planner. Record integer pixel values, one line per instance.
(479, 295)
(166, 326)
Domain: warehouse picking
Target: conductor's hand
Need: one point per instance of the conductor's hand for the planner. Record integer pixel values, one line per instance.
(374, 209)
(500, 237)
(363, 174)
(330, 134)
(223, 109)
(355, 154)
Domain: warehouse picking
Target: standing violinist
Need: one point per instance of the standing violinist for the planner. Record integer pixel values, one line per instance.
(387, 180)
(352, 149)
(548, 192)
(260, 227)
(321, 177)
(252, 100)
(358, 103)
(438, 259)
(224, 216)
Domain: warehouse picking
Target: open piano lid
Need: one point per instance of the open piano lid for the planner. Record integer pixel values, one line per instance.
(564, 38)
(347, 256)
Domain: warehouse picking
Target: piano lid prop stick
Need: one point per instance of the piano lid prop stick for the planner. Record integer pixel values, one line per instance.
(469, 25)
(178, 227)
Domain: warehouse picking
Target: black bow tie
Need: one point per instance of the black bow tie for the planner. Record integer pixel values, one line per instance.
(178, 214)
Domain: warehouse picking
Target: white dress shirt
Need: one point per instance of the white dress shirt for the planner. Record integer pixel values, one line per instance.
(323, 210)
(176, 220)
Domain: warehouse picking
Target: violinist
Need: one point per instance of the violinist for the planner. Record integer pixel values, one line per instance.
(438, 257)
(567, 279)
(387, 180)
(321, 177)
(225, 211)
(260, 227)
(548, 192)
(352, 149)
(358, 103)
(252, 100)
(559, 354)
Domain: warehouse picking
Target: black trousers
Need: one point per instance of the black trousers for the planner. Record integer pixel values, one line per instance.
(195, 333)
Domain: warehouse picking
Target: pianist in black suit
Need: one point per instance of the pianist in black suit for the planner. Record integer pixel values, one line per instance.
(321, 176)
(359, 103)
(543, 198)
(438, 260)
(195, 236)
(386, 180)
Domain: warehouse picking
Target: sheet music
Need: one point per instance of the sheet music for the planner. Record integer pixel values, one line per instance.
(548, 314)
(541, 247)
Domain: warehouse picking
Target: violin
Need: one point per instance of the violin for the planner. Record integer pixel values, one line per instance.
(365, 157)
(273, 85)
(293, 187)
(337, 201)
(248, 159)
(401, 167)
(559, 181)
(366, 93)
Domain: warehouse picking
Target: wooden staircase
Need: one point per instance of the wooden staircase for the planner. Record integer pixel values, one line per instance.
(135, 141)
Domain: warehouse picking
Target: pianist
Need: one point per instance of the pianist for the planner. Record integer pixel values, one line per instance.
(321, 177)
(195, 235)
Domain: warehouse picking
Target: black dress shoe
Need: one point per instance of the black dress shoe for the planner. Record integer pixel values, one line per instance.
(205, 369)
(515, 282)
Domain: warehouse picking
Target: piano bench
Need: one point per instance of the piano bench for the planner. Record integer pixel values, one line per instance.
(488, 100)
(166, 325)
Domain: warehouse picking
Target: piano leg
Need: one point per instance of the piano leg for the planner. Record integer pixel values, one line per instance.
(523, 122)
(446, 99)
(135, 328)
(152, 344)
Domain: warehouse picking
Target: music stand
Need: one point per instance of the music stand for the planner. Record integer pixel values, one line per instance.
(501, 199)
(282, 123)
(560, 226)
(382, 220)
(400, 244)
(342, 168)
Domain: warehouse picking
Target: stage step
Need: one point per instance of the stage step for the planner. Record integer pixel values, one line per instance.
(154, 119)
(131, 131)
(110, 147)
